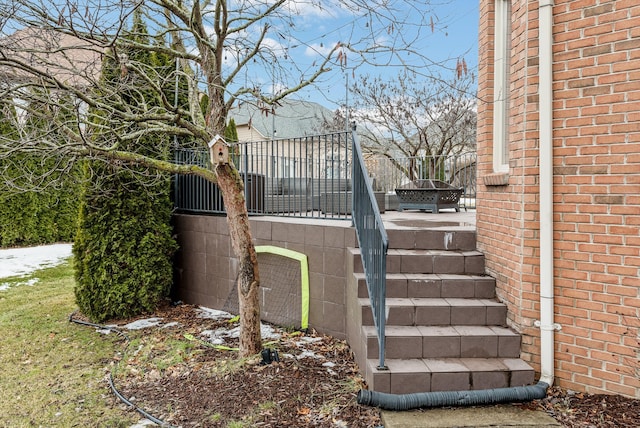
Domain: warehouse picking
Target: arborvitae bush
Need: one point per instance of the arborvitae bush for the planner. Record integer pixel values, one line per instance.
(124, 246)
(123, 249)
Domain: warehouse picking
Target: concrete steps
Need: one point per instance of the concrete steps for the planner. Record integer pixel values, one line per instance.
(445, 329)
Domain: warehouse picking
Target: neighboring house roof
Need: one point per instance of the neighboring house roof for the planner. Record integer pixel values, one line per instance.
(292, 118)
(67, 58)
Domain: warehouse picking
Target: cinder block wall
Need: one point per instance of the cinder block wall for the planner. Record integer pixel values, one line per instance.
(206, 267)
(596, 138)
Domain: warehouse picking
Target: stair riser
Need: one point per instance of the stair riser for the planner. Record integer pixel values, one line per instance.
(439, 315)
(432, 239)
(434, 286)
(414, 380)
(428, 262)
(446, 347)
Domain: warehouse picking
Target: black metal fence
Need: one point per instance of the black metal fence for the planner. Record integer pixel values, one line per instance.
(301, 177)
(311, 177)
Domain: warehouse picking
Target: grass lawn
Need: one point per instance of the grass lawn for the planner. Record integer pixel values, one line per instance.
(53, 371)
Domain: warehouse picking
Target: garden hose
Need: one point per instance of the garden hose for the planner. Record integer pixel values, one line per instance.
(110, 378)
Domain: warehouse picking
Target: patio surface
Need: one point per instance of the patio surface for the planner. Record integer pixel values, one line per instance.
(418, 219)
(411, 219)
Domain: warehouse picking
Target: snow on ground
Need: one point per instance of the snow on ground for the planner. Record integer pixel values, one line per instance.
(213, 314)
(22, 261)
(145, 323)
(16, 262)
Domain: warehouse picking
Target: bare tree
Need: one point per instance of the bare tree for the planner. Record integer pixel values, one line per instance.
(416, 117)
(53, 49)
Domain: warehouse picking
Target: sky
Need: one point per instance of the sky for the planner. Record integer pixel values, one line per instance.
(444, 32)
(454, 37)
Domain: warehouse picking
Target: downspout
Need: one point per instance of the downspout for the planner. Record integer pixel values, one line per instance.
(546, 322)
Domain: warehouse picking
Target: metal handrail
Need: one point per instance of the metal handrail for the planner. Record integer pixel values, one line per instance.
(373, 243)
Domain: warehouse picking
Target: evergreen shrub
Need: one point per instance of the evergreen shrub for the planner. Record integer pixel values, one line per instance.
(124, 246)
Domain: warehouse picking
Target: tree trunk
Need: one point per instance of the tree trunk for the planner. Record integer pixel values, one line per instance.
(232, 188)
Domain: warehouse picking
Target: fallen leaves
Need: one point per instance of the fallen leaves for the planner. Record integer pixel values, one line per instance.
(314, 383)
(575, 409)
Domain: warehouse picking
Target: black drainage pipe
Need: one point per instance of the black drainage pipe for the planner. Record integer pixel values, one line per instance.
(452, 398)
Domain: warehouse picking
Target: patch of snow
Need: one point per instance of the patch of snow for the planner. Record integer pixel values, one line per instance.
(22, 261)
(308, 354)
(214, 314)
(146, 323)
(143, 423)
(215, 337)
(329, 364)
(266, 332)
(6, 285)
(171, 324)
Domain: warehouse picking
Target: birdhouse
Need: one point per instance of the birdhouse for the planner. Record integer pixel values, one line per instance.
(219, 150)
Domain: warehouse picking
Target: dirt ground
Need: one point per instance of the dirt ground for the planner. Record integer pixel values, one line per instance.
(186, 381)
(579, 410)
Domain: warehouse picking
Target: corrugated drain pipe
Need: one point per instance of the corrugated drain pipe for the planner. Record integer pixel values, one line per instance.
(546, 323)
(452, 398)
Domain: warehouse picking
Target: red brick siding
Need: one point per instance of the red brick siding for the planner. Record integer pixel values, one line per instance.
(596, 137)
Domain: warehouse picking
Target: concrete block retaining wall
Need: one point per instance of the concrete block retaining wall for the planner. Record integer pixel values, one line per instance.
(206, 268)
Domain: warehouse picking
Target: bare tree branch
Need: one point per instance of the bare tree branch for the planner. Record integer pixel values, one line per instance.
(410, 118)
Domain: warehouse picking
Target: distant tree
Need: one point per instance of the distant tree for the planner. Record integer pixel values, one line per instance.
(231, 137)
(33, 211)
(231, 132)
(8, 121)
(416, 117)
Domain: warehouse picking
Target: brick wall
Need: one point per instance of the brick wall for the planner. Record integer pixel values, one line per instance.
(596, 139)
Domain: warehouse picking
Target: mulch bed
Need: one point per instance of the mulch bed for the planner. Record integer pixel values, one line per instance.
(580, 410)
(314, 383)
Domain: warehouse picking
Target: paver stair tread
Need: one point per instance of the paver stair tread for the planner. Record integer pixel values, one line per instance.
(394, 330)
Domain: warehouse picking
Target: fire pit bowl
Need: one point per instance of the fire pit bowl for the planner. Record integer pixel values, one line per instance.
(428, 195)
